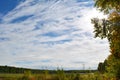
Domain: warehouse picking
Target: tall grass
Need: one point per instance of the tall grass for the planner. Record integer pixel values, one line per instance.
(59, 75)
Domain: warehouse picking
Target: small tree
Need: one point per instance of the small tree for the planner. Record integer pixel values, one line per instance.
(61, 74)
(102, 67)
(27, 75)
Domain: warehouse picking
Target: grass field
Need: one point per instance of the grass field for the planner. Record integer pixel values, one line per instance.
(10, 76)
(60, 76)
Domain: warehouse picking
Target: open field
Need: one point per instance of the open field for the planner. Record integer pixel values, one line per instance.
(15, 73)
(58, 76)
(10, 76)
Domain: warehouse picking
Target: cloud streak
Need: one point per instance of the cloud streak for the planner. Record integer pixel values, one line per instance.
(51, 33)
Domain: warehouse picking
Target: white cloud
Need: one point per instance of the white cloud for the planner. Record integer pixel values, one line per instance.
(29, 44)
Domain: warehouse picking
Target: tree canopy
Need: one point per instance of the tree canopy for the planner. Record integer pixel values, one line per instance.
(109, 28)
(107, 5)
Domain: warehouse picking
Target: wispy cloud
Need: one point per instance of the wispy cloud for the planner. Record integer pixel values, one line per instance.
(51, 33)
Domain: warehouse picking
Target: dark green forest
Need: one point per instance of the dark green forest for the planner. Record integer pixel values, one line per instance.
(17, 70)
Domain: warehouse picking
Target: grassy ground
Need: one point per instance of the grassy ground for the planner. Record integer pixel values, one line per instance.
(10, 76)
(58, 76)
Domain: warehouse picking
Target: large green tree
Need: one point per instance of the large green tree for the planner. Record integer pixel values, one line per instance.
(110, 28)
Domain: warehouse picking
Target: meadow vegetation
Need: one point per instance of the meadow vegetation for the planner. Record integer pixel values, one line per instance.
(59, 74)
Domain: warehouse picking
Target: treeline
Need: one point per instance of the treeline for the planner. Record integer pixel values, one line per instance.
(80, 71)
(11, 69)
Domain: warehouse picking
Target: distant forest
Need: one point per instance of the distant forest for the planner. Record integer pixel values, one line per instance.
(18, 70)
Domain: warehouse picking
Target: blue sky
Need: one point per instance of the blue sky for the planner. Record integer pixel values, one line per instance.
(7, 5)
(50, 33)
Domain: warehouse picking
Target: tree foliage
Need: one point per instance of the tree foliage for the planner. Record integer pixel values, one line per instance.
(107, 5)
(109, 28)
(102, 67)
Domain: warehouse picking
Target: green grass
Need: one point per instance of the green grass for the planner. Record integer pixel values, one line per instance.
(10, 76)
(57, 76)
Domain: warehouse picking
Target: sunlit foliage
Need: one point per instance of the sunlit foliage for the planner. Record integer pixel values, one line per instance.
(110, 28)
